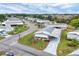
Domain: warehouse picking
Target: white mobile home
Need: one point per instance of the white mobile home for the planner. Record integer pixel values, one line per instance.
(46, 34)
(73, 35)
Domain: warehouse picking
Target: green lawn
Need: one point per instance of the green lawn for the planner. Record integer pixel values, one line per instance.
(1, 37)
(29, 40)
(63, 47)
(2, 53)
(18, 29)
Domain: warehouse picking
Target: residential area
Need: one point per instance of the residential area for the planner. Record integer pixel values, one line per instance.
(39, 34)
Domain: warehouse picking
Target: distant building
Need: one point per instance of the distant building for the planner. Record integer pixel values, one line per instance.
(46, 34)
(12, 21)
(30, 19)
(43, 23)
(73, 35)
(59, 25)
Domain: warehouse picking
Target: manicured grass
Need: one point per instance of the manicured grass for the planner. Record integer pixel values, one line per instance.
(18, 29)
(63, 47)
(30, 41)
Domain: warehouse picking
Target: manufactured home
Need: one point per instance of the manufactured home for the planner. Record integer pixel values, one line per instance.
(46, 34)
(73, 35)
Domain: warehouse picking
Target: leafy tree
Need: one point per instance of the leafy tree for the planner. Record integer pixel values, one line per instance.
(75, 23)
(2, 17)
(73, 43)
(75, 17)
(50, 17)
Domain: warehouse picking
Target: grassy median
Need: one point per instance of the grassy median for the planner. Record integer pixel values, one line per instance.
(18, 29)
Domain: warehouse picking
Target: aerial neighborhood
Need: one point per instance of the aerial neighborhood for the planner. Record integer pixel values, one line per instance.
(39, 35)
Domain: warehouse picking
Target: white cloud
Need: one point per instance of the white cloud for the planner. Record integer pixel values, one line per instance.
(39, 1)
(64, 6)
(38, 8)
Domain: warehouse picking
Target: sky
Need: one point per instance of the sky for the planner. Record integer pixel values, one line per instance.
(40, 8)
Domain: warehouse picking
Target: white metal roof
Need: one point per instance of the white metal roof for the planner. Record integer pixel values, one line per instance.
(58, 25)
(47, 30)
(54, 33)
(13, 20)
(74, 32)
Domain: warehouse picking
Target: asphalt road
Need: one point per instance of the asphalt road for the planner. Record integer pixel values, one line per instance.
(17, 52)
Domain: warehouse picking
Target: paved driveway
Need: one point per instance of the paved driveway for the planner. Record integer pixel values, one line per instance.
(52, 46)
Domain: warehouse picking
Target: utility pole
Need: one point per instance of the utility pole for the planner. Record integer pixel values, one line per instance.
(19, 36)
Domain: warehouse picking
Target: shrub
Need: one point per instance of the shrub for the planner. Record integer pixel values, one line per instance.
(73, 43)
